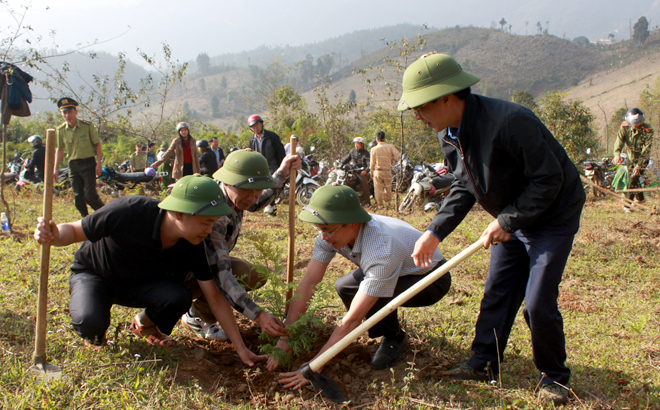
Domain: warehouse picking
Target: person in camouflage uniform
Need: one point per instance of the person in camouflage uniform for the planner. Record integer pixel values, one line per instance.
(636, 137)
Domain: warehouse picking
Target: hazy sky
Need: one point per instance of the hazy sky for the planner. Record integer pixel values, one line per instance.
(222, 26)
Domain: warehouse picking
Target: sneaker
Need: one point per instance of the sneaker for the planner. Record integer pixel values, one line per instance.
(465, 372)
(209, 331)
(388, 352)
(555, 393)
(270, 210)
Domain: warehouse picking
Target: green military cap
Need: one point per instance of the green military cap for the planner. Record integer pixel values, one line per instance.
(245, 169)
(334, 205)
(430, 77)
(138, 142)
(196, 195)
(66, 102)
(164, 145)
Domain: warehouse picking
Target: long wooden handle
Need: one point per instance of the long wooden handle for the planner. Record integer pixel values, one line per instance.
(292, 226)
(39, 355)
(618, 197)
(394, 304)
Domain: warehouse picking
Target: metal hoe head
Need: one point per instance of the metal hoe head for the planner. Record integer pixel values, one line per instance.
(326, 386)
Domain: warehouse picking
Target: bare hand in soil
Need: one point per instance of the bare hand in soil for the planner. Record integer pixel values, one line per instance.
(272, 360)
(42, 234)
(293, 380)
(249, 359)
(270, 324)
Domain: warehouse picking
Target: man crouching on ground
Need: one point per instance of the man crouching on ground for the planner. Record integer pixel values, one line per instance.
(136, 252)
(246, 182)
(381, 247)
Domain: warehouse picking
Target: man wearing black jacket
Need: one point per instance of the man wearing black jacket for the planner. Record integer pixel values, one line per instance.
(268, 144)
(36, 164)
(505, 158)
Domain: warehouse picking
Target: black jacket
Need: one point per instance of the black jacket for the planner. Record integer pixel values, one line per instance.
(36, 164)
(208, 163)
(271, 148)
(359, 158)
(505, 158)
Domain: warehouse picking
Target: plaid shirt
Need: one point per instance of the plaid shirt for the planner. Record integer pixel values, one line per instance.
(383, 250)
(222, 240)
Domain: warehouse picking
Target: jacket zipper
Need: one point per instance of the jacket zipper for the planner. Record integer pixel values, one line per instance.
(474, 186)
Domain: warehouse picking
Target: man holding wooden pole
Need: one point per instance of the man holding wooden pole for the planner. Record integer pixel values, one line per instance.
(381, 247)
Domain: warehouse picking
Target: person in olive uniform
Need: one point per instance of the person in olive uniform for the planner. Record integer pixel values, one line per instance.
(136, 252)
(81, 143)
(166, 166)
(636, 137)
(138, 159)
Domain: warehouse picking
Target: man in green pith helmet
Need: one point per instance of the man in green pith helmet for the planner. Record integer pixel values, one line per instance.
(246, 182)
(635, 137)
(381, 247)
(505, 158)
(136, 252)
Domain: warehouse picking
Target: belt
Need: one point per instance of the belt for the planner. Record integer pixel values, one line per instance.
(78, 160)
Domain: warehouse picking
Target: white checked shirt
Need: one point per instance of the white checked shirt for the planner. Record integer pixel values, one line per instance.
(382, 250)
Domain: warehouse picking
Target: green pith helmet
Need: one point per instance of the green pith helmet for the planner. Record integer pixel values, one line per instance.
(164, 145)
(245, 169)
(196, 195)
(334, 205)
(430, 77)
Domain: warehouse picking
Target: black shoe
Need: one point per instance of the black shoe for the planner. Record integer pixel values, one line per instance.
(388, 352)
(465, 372)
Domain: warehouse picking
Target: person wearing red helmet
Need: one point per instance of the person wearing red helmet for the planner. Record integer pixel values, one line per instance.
(186, 159)
(268, 144)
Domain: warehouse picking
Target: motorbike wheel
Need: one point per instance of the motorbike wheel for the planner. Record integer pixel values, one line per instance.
(305, 194)
(407, 201)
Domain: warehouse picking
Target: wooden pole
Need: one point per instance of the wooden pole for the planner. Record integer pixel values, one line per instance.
(627, 202)
(292, 226)
(630, 191)
(40, 365)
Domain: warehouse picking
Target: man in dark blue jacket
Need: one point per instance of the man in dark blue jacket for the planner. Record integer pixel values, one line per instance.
(504, 158)
(268, 144)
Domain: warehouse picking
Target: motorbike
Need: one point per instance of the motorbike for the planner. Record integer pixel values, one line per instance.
(15, 166)
(114, 182)
(406, 178)
(27, 179)
(305, 187)
(427, 189)
(594, 172)
(349, 175)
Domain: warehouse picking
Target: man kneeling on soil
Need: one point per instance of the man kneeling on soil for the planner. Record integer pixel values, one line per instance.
(136, 252)
(246, 182)
(381, 248)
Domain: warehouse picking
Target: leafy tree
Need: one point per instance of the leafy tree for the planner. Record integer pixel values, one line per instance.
(524, 98)
(203, 63)
(202, 84)
(570, 122)
(352, 96)
(223, 82)
(641, 31)
(215, 107)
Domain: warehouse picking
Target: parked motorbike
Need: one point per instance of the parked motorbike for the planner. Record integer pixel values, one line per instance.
(14, 166)
(428, 189)
(406, 178)
(113, 182)
(305, 187)
(594, 172)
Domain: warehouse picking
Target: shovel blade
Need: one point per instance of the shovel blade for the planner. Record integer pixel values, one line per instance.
(45, 372)
(328, 388)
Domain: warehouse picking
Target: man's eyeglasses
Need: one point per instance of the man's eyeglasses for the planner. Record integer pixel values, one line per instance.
(419, 107)
(327, 234)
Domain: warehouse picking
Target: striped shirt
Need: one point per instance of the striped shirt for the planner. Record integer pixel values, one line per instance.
(383, 250)
(222, 240)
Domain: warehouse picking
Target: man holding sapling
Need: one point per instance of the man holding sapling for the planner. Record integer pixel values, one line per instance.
(381, 247)
(136, 252)
(246, 182)
(504, 158)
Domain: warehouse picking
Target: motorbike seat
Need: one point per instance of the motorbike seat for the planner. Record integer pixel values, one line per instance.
(442, 181)
(132, 177)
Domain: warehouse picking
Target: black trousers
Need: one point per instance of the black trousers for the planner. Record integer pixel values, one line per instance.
(92, 298)
(83, 182)
(347, 287)
(529, 267)
(634, 183)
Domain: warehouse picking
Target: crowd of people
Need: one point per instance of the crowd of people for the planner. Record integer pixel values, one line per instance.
(172, 259)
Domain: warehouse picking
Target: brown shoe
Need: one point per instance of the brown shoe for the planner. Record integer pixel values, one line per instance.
(554, 393)
(151, 334)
